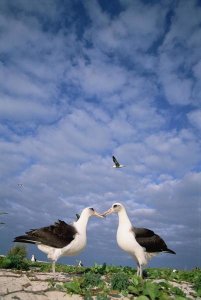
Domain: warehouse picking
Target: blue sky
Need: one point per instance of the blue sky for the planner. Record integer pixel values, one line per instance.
(81, 81)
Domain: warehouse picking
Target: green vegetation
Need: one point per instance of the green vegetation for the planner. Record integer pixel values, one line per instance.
(120, 281)
(115, 281)
(15, 259)
(18, 250)
(104, 281)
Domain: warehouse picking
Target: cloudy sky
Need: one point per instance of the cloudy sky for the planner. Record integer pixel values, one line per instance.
(81, 81)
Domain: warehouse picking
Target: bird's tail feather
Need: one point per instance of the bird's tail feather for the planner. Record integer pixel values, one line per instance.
(170, 251)
(24, 239)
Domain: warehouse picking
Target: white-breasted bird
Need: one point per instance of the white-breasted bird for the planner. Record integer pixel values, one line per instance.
(33, 259)
(116, 163)
(141, 243)
(60, 239)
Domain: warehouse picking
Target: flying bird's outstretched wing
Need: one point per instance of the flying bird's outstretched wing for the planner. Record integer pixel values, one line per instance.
(58, 235)
(115, 161)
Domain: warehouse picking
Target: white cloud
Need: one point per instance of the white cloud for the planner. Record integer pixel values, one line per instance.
(19, 84)
(175, 196)
(177, 91)
(179, 54)
(169, 151)
(23, 110)
(145, 116)
(128, 32)
(182, 25)
(98, 78)
(195, 118)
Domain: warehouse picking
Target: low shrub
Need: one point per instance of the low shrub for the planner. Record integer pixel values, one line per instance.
(120, 281)
(18, 250)
(14, 262)
(91, 280)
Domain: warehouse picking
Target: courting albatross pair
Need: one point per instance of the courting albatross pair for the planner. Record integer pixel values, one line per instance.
(141, 243)
(60, 239)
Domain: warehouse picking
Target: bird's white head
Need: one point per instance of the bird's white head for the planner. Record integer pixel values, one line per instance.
(115, 208)
(90, 211)
(87, 212)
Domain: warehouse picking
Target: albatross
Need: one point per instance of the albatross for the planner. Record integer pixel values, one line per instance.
(116, 163)
(60, 239)
(141, 243)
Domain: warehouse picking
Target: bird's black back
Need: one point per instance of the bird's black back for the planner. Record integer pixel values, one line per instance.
(58, 235)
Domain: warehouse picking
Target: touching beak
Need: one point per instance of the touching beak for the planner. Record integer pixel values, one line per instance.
(98, 215)
(108, 212)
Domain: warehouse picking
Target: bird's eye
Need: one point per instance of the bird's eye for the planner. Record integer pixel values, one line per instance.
(115, 205)
(91, 208)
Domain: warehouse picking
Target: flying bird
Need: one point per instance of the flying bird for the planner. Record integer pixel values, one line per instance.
(60, 239)
(141, 243)
(20, 185)
(116, 163)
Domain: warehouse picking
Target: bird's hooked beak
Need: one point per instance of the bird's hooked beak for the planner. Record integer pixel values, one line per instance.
(96, 214)
(108, 212)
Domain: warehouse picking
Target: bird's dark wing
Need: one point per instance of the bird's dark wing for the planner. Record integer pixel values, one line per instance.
(153, 243)
(58, 235)
(150, 241)
(142, 232)
(115, 161)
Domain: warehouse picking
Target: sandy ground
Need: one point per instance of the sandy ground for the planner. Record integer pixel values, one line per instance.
(31, 286)
(37, 286)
